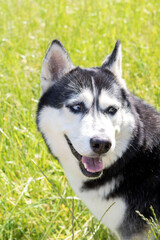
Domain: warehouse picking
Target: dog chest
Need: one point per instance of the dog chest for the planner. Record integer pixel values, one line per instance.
(110, 212)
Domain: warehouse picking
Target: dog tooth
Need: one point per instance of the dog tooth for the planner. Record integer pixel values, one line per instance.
(85, 165)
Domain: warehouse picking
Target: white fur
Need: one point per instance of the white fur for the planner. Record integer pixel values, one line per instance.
(116, 67)
(85, 96)
(123, 124)
(54, 123)
(118, 129)
(106, 100)
(55, 139)
(94, 88)
(110, 212)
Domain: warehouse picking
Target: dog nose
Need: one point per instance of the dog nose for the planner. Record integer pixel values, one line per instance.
(99, 145)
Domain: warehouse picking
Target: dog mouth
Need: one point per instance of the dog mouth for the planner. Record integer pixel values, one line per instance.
(90, 166)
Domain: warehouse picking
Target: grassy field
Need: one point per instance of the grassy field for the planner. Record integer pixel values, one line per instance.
(31, 205)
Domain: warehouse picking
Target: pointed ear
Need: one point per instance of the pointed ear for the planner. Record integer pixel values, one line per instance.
(113, 62)
(56, 64)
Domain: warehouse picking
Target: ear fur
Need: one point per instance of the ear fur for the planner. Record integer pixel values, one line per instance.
(113, 62)
(56, 64)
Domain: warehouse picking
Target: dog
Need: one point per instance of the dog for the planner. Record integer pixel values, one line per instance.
(106, 139)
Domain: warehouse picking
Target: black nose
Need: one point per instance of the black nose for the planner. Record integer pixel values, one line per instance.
(99, 145)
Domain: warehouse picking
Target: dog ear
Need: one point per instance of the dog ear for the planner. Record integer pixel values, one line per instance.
(56, 64)
(113, 62)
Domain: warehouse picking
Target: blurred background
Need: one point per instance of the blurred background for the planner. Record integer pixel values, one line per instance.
(36, 201)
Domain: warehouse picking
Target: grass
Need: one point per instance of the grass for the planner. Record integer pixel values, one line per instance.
(30, 206)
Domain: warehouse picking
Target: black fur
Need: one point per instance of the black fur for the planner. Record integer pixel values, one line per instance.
(76, 80)
(113, 56)
(139, 167)
(138, 170)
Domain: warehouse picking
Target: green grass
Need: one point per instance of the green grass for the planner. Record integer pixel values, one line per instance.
(30, 206)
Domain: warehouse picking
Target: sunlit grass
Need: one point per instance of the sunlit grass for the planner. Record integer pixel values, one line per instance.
(32, 207)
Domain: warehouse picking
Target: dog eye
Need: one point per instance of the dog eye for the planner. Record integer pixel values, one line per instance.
(77, 108)
(111, 110)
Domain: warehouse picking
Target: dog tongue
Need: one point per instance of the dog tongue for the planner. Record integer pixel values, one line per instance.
(92, 164)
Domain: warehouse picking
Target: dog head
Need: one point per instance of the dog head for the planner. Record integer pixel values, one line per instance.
(84, 114)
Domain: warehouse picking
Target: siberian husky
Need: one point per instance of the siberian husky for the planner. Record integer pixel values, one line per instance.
(106, 139)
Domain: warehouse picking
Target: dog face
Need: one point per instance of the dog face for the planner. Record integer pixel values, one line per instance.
(83, 114)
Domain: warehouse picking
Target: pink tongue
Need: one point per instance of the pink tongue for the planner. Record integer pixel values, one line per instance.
(92, 164)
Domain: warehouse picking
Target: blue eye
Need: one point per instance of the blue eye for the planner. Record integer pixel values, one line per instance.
(111, 110)
(77, 108)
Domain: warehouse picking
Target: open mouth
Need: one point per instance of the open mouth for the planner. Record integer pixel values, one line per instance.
(90, 167)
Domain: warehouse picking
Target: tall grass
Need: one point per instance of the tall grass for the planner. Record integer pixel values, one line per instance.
(32, 207)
